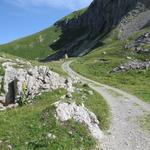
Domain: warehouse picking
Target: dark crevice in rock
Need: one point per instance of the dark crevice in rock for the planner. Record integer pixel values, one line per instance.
(10, 96)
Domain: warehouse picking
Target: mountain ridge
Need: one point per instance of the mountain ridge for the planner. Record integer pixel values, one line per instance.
(78, 33)
(99, 19)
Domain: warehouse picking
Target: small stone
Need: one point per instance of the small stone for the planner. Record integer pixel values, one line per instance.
(9, 146)
(69, 95)
(129, 58)
(49, 135)
(90, 92)
(63, 97)
(2, 108)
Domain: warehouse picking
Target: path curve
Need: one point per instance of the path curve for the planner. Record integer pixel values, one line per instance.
(124, 132)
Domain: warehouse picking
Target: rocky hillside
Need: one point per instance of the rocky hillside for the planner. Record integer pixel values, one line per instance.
(40, 109)
(78, 33)
(83, 32)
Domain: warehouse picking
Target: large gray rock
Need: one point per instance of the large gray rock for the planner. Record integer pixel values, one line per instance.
(80, 114)
(132, 65)
(135, 20)
(137, 46)
(31, 82)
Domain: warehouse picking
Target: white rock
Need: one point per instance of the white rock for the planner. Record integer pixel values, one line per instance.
(9, 146)
(51, 136)
(10, 106)
(91, 92)
(35, 80)
(80, 114)
(2, 108)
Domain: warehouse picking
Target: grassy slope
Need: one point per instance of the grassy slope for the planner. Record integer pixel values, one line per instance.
(27, 127)
(34, 46)
(37, 45)
(135, 82)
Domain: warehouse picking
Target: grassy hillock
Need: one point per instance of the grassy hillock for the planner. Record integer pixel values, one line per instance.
(136, 82)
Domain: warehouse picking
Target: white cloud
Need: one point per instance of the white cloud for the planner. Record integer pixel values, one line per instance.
(61, 4)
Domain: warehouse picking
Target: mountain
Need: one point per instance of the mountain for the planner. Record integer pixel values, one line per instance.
(78, 33)
(91, 99)
(83, 32)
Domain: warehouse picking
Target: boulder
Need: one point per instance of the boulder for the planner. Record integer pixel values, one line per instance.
(31, 82)
(139, 43)
(67, 111)
(132, 65)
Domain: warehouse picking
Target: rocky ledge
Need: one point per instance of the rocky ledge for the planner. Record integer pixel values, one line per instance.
(81, 33)
(139, 43)
(67, 111)
(132, 65)
(22, 85)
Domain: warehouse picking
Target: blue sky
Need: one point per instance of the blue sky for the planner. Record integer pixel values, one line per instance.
(19, 18)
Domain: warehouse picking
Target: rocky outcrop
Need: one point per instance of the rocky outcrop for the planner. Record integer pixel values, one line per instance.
(136, 24)
(139, 43)
(66, 111)
(82, 33)
(23, 84)
(31, 83)
(132, 65)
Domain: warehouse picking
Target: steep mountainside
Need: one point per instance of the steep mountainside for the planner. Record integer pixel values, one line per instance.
(82, 33)
(78, 33)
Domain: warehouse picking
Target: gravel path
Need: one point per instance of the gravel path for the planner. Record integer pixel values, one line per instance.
(124, 132)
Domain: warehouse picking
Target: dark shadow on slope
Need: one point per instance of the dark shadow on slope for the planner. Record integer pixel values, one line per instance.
(67, 37)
